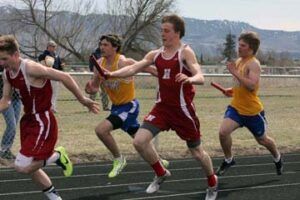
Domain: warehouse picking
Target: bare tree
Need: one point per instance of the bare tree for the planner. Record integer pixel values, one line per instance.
(137, 21)
(77, 30)
(42, 20)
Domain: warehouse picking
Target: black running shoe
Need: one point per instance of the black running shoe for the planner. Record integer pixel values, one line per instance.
(279, 166)
(224, 167)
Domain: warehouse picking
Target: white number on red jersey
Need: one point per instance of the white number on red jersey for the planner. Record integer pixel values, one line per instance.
(167, 73)
(150, 117)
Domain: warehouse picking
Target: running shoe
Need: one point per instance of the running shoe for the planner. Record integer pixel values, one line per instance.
(157, 181)
(118, 166)
(64, 162)
(279, 166)
(165, 163)
(224, 167)
(212, 192)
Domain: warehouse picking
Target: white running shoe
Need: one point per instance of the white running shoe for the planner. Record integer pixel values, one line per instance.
(212, 192)
(157, 181)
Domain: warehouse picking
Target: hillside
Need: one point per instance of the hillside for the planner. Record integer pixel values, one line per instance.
(205, 36)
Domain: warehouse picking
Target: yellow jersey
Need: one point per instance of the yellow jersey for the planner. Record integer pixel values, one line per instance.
(246, 102)
(119, 90)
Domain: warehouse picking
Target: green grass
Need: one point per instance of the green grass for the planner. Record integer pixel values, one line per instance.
(281, 99)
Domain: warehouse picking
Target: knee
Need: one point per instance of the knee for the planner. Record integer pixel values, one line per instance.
(263, 141)
(223, 134)
(138, 144)
(22, 170)
(23, 164)
(198, 153)
(100, 132)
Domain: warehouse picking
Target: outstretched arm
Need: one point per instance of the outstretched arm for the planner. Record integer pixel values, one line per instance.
(36, 70)
(150, 69)
(132, 69)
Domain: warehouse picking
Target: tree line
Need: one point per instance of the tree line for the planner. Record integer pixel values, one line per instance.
(269, 58)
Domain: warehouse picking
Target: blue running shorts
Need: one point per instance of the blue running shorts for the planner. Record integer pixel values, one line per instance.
(128, 113)
(256, 124)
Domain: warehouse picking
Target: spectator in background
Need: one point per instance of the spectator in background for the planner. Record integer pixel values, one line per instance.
(102, 92)
(11, 116)
(50, 59)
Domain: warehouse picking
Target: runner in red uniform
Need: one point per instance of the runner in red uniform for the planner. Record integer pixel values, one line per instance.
(38, 125)
(178, 70)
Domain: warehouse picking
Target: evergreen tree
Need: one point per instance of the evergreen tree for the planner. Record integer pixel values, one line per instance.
(229, 50)
(201, 59)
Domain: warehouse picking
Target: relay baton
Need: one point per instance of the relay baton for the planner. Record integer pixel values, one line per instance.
(218, 86)
(96, 64)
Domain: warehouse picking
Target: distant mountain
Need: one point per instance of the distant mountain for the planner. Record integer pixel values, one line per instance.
(205, 36)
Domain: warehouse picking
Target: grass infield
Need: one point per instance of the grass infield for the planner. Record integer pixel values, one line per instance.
(281, 99)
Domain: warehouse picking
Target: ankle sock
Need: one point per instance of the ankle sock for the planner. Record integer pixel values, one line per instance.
(212, 180)
(158, 168)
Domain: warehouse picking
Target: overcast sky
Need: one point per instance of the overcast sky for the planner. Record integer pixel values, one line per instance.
(265, 14)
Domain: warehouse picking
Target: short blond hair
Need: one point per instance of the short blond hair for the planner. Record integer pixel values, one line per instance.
(9, 44)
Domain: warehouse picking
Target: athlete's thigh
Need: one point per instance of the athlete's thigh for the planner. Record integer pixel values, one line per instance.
(158, 117)
(232, 120)
(142, 136)
(227, 126)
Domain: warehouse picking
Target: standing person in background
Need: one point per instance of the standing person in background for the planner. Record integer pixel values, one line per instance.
(178, 70)
(246, 108)
(11, 116)
(102, 93)
(121, 91)
(50, 59)
(38, 125)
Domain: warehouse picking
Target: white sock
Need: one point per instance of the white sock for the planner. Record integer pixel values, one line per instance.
(52, 194)
(277, 159)
(228, 160)
(119, 158)
(53, 158)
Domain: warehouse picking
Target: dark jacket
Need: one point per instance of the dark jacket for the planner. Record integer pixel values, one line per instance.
(57, 61)
(97, 54)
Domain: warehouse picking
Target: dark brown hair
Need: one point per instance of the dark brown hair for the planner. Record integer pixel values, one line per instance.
(178, 23)
(252, 39)
(114, 39)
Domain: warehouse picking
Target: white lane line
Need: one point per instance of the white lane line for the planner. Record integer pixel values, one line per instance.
(141, 183)
(223, 190)
(78, 166)
(142, 172)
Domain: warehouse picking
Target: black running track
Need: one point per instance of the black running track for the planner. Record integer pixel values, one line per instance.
(252, 178)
